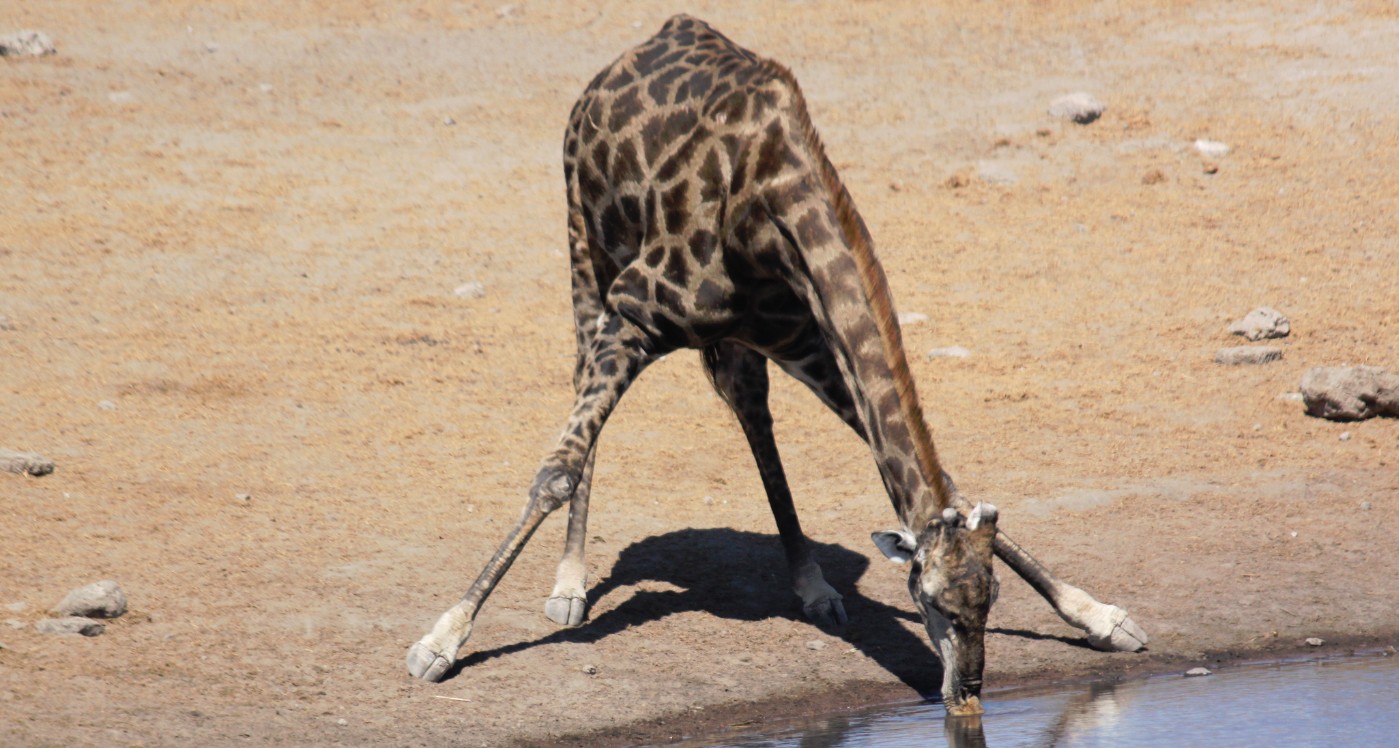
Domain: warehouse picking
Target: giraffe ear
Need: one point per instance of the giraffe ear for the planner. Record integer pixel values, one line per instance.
(896, 545)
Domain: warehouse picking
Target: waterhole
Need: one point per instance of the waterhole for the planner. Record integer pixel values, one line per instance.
(1351, 701)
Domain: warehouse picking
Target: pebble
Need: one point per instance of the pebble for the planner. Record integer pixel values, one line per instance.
(1345, 436)
(1314, 642)
(590, 669)
(952, 351)
(1196, 672)
(103, 599)
(70, 625)
(107, 405)
(27, 43)
(472, 290)
(1366, 506)
(1263, 322)
(15, 623)
(25, 463)
(448, 121)
(912, 318)
(1211, 148)
(1294, 396)
(342, 722)
(17, 607)
(1247, 354)
(1079, 107)
(6, 324)
(243, 498)
(816, 644)
(1350, 393)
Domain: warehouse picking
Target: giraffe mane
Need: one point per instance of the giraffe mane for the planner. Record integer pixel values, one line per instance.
(876, 288)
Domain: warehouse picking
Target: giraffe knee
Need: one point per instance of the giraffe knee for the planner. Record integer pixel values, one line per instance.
(552, 488)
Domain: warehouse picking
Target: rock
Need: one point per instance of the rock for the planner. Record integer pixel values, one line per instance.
(1314, 642)
(26, 43)
(1079, 107)
(1197, 672)
(1350, 393)
(1295, 396)
(952, 351)
(242, 498)
(6, 324)
(103, 599)
(107, 405)
(1211, 148)
(1345, 436)
(472, 290)
(590, 669)
(1366, 506)
(912, 318)
(1263, 322)
(816, 644)
(25, 463)
(342, 721)
(1247, 354)
(71, 625)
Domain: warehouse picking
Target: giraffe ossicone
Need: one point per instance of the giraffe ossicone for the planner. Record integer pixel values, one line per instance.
(703, 213)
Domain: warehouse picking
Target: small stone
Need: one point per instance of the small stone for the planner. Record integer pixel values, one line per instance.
(15, 623)
(912, 318)
(816, 644)
(506, 11)
(1263, 322)
(342, 722)
(472, 290)
(107, 405)
(242, 498)
(1350, 393)
(953, 351)
(1345, 436)
(1294, 396)
(1293, 534)
(211, 47)
(25, 463)
(1366, 506)
(27, 43)
(5, 324)
(1247, 354)
(448, 121)
(19, 607)
(1197, 672)
(590, 669)
(1211, 148)
(70, 625)
(103, 599)
(1079, 107)
(1314, 642)
(265, 87)
(121, 97)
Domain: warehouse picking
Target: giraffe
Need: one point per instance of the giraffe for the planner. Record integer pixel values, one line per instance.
(703, 213)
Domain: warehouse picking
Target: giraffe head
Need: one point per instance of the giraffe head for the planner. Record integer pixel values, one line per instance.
(952, 585)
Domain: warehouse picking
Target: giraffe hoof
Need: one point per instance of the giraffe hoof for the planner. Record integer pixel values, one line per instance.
(828, 612)
(1121, 635)
(566, 610)
(427, 664)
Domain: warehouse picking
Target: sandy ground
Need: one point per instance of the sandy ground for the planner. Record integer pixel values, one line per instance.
(229, 239)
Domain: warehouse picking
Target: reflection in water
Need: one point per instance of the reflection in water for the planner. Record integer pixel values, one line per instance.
(1336, 702)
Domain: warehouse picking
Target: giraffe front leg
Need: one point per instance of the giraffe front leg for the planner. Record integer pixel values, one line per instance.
(568, 603)
(615, 358)
(1108, 627)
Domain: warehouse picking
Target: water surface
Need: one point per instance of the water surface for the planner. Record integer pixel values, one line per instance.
(1328, 702)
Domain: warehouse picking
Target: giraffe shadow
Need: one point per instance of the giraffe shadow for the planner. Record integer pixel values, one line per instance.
(740, 576)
